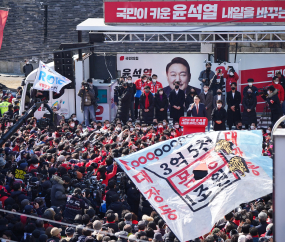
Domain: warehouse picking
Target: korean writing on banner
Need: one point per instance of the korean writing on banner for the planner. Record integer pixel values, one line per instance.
(48, 79)
(164, 175)
(193, 121)
(200, 11)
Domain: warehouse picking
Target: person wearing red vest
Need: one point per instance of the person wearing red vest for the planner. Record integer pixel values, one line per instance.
(276, 84)
(140, 84)
(154, 84)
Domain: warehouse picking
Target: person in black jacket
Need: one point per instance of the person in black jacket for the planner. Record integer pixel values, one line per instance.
(118, 205)
(110, 223)
(176, 100)
(249, 103)
(274, 103)
(233, 101)
(190, 98)
(161, 105)
(281, 79)
(219, 117)
(95, 89)
(133, 90)
(147, 106)
(217, 82)
(112, 192)
(124, 104)
(10, 112)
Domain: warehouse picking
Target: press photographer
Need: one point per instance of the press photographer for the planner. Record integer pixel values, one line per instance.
(206, 75)
(274, 103)
(88, 102)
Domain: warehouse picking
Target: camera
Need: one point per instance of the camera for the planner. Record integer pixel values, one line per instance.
(86, 86)
(261, 91)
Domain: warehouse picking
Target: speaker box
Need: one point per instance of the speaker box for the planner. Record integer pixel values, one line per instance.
(67, 54)
(58, 62)
(67, 61)
(96, 37)
(57, 55)
(59, 69)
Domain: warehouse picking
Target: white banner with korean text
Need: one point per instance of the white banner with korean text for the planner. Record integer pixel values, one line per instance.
(237, 173)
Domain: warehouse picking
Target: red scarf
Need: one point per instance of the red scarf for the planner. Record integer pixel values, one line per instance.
(146, 105)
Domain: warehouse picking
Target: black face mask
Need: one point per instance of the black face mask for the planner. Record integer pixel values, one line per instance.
(233, 88)
(192, 93)
(219, 93)
(239, 127)
(208, 68)
(176, 87)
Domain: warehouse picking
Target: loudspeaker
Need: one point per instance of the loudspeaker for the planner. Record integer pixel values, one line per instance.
(96, 37)
(63, 64)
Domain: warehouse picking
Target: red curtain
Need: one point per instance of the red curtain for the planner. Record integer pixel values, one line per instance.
(3, 18)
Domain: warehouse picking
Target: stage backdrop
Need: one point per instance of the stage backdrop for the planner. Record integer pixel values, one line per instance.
(136, 65)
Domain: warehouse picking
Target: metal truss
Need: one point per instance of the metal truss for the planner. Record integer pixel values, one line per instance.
(194, 37)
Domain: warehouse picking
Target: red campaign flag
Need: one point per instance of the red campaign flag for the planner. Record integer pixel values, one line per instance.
(3, 19)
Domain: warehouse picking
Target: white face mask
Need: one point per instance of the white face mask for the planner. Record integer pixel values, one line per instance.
(268, 131)
(36, 165)
(11, 124)
(144, 129)
(107, 125)
(164, 123)
(95, 126)
(231, 73)
(129, 81)
(131, 129)
(72, 125)
(219, 105)
(206, 89)
(160, 126)
(154, 80)
(160, 93)
(276, 82)
(251, 127)
(268, 92)
(144, 80)
(250, 84)
(176, 126)
(172, 134)
(74, 119)
(118, 128)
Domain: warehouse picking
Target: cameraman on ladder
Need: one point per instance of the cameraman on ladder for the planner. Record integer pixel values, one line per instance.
(88, 102)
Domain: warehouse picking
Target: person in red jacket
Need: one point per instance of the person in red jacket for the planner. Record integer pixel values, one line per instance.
(154, 84)
(102, 173)
(276, 84)
(178, 130)
(140, 84)
(230, 78)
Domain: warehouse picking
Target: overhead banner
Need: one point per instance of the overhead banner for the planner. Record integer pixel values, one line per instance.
(237, 173)
(169, 68)
(48, 79)
(3, 19)
(194, 11)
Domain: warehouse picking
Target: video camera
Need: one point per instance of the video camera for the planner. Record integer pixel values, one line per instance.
(86, 86)
(261, 91)
(43, 123)
(121, 181)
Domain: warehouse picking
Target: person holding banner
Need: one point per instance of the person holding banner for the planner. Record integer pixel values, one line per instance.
(147, 106)
(176, 100)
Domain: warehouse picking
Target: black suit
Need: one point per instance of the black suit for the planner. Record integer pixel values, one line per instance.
(235, 116)
(176, 100)
(201, 112)
(219, 115)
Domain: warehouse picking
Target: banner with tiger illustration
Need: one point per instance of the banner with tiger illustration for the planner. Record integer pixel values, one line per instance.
(237, 173)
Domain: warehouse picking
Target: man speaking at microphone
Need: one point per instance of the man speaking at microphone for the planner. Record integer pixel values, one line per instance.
(196, 109)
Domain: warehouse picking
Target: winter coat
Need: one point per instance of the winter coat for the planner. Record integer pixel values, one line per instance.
(219, 115)
(203, 75)
(147, 117)
(208, 102)
(215, 85)
(176, 100)
(249, 102)
(161, 115)
(18, 196)
(27, 69)
(82, 94)
(230, 80)
(223, 99)
(74, 206)
(124, 104)
(280, 91)
(253, 88)
(188, 100)
(133, 90)
(233, 116)
(58, 196)
(118, 207)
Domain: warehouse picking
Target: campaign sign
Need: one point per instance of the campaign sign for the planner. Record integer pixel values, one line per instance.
(164, 175)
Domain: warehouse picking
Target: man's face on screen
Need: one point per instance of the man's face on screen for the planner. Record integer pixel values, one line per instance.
(178, 73)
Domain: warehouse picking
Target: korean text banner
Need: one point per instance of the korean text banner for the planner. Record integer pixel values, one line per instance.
(49, 79)
(3, 19)
(237, 173)
(169, 68)
(194, 11)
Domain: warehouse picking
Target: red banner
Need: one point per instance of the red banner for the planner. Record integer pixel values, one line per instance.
(3, 19)
(194, 11)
